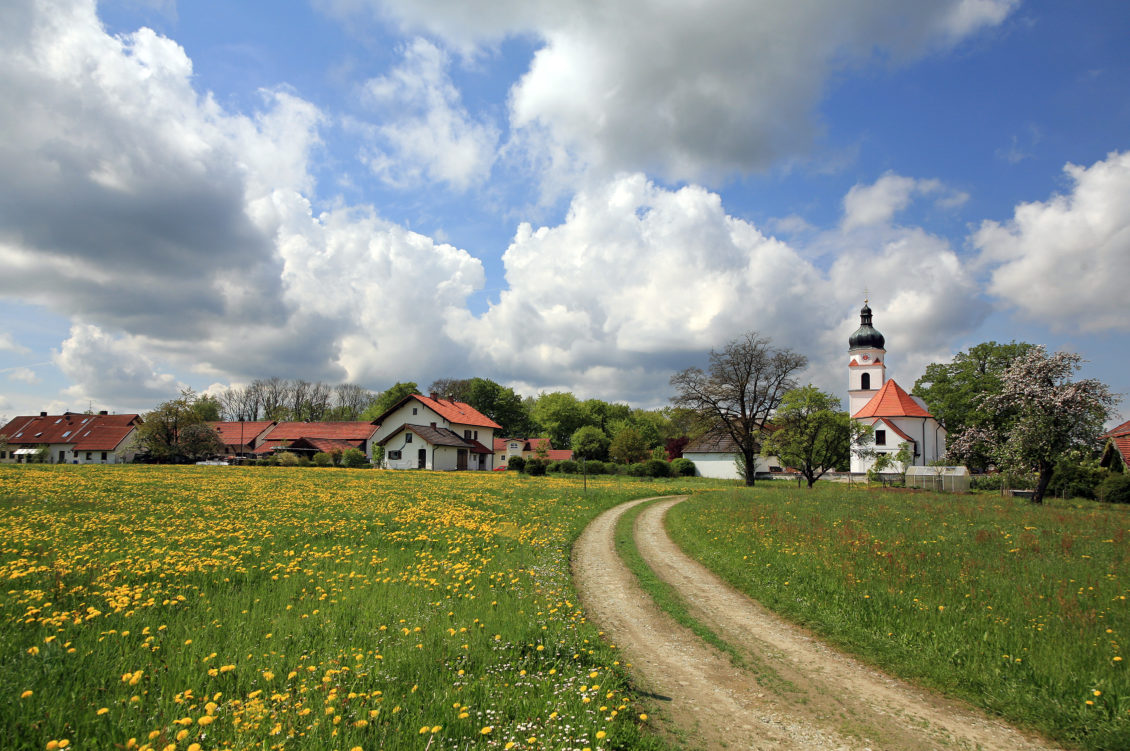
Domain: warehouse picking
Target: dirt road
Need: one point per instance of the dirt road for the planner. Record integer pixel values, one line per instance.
(792, 693)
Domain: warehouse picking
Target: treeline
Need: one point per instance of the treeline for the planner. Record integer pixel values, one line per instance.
(297, 400)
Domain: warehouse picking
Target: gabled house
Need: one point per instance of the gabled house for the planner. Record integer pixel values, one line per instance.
(333, 435)
(527, 448)
(71, 438)
(426, 432)
(716, 454)
(242, 437)
(1116, 452)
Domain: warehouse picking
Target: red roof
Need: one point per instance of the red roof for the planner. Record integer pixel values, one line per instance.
(344, 431)
(559, 455)
(1121, 430)
(328, 445)
(65, 428)
(240, 433)
(892, 401)
(456, 412)
(103, 437)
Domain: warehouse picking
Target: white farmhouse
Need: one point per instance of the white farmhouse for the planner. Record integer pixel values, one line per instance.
(426, 432)
(896, 416)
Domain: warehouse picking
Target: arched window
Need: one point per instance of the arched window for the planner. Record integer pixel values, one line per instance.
(865, 382)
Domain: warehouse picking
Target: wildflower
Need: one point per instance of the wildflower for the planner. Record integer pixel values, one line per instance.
(600, 734)
(205, 720)
(25, 694)
(487, 730)
(643, 717)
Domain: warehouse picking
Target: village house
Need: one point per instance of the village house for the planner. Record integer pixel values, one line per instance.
(716, 454)
(527, 448)
(71, 438)
(897, 418)
(426, 432)
(242, 437)
(309, 438)
(1116, 452)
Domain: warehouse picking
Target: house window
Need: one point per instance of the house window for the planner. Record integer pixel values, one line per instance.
(408, 438)
(413, 410)
(3, 454)
(865, 382)
(476, 435)
(103, 456)
(880, 438)
(88, 456)
(466, 435)
(394, 456)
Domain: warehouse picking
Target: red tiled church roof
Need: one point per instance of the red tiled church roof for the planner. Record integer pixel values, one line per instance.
(892, 401)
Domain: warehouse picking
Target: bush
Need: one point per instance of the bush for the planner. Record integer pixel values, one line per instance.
(535, 467)
(682, 467)
(303, 461)
(1002, 480)
(1075, 480)
(353, 458)
(1114, 489)
(637, 469)
(657, 468)
(568, 467)
(516, 463)
(322, 459)
(596, 468)
(286, 459)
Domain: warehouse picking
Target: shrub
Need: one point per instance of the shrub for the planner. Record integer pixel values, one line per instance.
(1001, 480)
(1115, 489)
(682, 467)
(304, 461)
(568, 467)
(657, 468)
(516, 463)
(322, 459)
(353, 458)
(637, 469)
(535, 467)
(286, 459)
(552, 467)
(596, 468)
(1076, 480)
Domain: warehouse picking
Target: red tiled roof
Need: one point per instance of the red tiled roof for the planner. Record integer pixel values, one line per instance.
(891, 401)
(63, 428)
(894, 428)
(1121, 430)
(559, 455)
(533, 444)
(103, 437)
(345, 431)
(328, 445)
(456, 412)
(232, 433)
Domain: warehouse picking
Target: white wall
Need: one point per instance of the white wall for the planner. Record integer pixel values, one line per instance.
(722, 466)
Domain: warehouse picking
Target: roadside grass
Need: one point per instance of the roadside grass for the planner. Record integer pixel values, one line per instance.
(303, 608)
(1016, 608)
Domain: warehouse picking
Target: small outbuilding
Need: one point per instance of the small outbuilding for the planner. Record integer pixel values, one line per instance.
(941, 479)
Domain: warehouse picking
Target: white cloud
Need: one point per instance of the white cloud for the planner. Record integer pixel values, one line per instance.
(26, 375)
(11, 345)
(866, 205)
(427, 133)
(111, 370)
(638, 281)
(1065, 261)
(697, 91)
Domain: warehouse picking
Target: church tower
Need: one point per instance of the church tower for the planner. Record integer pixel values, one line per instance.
(867, 369)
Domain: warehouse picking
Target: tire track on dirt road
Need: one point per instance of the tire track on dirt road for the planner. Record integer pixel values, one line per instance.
(794, 692)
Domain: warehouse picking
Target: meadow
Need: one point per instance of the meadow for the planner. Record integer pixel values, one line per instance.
(198, 608)
(1017, 608)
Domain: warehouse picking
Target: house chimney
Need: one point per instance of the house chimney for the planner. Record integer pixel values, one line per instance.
(434, 395)
(103, 412)
(43, 414)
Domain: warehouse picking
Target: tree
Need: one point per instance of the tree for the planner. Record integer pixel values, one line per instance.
(1040, 415)
(558, 415)
(628, 447)
(208, 407)
(590, 442)
(388, 398)
(168, 433)
(811, 433)
(199, 441)
(500, 403)
(739, 391)
(953, 389)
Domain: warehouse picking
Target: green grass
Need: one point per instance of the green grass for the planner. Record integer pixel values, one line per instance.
(1019, 609)
(303, 608)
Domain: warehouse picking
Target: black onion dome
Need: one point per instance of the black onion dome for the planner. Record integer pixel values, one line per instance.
(866, 337)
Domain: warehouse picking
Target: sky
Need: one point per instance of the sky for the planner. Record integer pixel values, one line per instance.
(566, 195)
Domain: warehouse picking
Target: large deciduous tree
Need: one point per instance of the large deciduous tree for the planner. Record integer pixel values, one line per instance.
(739, 391)
(388, 398)
(1041, 415)
(811, 433)
(558, 415)
(178, 431)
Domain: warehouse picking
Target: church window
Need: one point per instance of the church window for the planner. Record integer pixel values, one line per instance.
(865, 381)
(880, 438)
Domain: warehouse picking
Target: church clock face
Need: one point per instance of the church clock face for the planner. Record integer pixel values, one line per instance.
(866, 358)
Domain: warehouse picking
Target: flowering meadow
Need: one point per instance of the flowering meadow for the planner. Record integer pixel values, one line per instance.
(1020, 609)
(186, 608)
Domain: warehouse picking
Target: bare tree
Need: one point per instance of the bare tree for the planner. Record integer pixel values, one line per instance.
(742, 387)
(298, 394)
(318, 401)
(350, 400)
(273, 393)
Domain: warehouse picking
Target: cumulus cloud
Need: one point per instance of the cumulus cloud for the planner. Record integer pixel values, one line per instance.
(26, 375)
(697, 91)
(640, 280)
(1065, 261)
(426, 134)
(108, 369)
(10, 344)
(866, 205)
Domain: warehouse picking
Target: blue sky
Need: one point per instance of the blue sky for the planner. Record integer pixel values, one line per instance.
(554, 195)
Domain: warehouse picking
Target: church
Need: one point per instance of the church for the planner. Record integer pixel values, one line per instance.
(896, 416)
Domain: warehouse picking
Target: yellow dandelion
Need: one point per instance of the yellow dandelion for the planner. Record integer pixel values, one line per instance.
(600, 734)
(26, 694)
(102, 711)
(437, 728)
(205, 720)
(643, 717)
(487, 730)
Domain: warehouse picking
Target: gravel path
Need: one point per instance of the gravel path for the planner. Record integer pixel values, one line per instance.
(793, 692)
